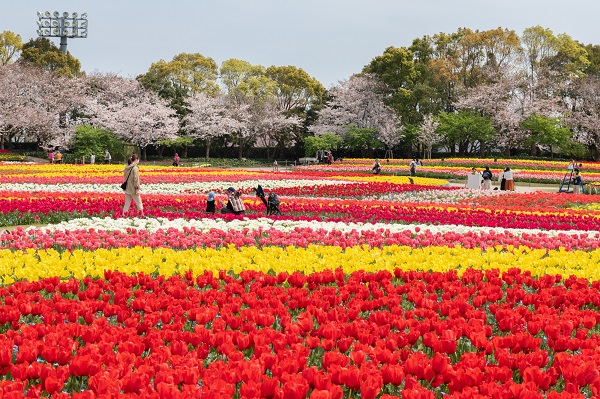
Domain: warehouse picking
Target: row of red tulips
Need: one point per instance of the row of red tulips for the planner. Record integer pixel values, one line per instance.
(83, 175)
(20, 239)
(192, 207)
(294, 336)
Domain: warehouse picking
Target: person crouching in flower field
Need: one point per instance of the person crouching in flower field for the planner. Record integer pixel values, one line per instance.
(210, 203)
(132, 190)
(234, 204)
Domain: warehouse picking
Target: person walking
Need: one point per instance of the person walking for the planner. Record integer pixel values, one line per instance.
(132, 190)
(176, 160)
(487, 178)
(51, 156)
(413, 167)
(92, 158)
(107, 157)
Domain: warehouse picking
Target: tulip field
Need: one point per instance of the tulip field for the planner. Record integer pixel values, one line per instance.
(534, 171)
(367, 286)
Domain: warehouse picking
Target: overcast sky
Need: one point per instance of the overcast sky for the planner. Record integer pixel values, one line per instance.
(329, 39)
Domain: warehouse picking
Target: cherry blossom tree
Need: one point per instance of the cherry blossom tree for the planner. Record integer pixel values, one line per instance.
(427, 135)
(270, 125)
(209, 118)
(511, 100)
(37, 106)
(358, 102)
(258, 121)
(253, 100)
(585, 113)
(136, 115)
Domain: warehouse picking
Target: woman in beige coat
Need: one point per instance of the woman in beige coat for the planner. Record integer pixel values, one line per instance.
(132, 191)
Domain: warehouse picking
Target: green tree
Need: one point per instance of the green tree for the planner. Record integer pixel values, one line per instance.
(593, 51)
(90, 140)
(183, 75)
(545, 131)
(396, 69)
(465, 129)
(571, 58)
(328, 141)
(10, 47)
(44, 54)
(295, 89)
(183, 142)
(250, 92)
(362, 139)
(245, 81)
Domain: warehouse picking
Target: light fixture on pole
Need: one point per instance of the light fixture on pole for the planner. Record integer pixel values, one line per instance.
(62, 25)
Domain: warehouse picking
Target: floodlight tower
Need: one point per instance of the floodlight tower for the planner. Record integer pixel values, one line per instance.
(62, 25)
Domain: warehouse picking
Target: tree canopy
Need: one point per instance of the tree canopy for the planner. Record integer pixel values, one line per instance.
(44, 54)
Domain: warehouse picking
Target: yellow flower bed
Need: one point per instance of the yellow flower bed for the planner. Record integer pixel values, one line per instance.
(46, 170)
(33, 265)
(395, 179)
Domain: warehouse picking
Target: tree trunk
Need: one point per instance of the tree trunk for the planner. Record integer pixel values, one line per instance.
(207, 149)
(160, 149)
(144, 153)
(240, 151)
(533, 149)
(507, 151)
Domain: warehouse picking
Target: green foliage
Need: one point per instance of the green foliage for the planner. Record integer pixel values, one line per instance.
(295, 87)
(356, 138)
(465, 128)
(10, 46)
(89, 140)
(593, 52)
(572, 57)
(44, 54)
(244, 80)
(179, 142)
(397, 70)
(328, 141)
(185, 74)
(546, 131)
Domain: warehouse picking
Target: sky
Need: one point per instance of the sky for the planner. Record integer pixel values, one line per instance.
(329, 39)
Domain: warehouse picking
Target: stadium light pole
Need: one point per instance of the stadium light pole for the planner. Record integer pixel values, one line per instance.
(63, 25)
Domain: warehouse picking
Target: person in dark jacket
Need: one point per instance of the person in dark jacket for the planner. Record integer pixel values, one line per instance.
(210, 203)
(487, 178)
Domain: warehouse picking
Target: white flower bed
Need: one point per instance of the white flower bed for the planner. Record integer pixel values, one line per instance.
(170, 188)
(205, 225)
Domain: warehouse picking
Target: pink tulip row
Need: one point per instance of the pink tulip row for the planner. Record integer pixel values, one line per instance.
(91, 239)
